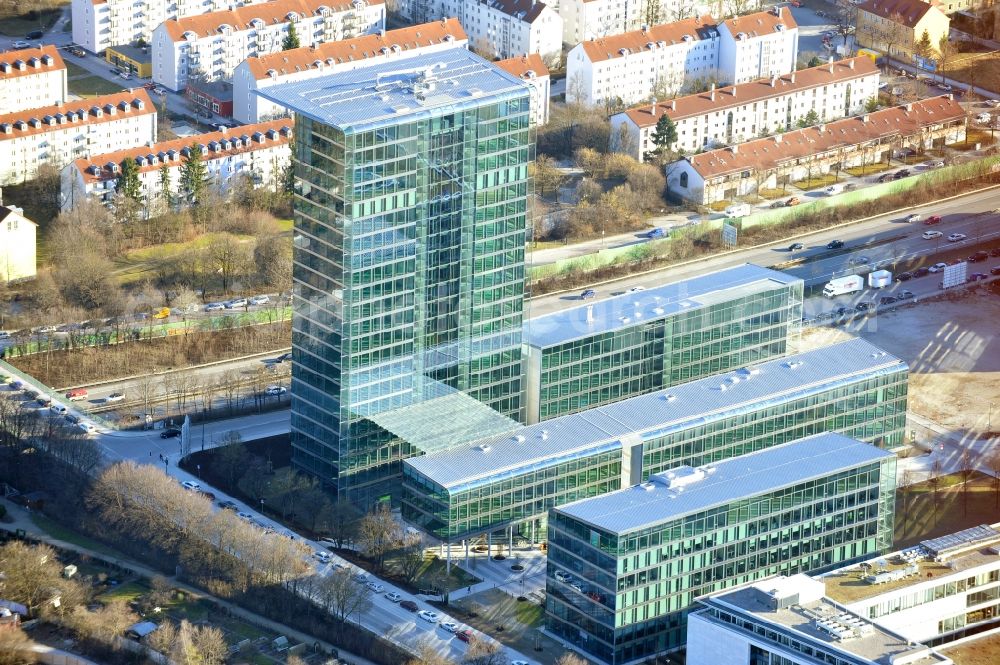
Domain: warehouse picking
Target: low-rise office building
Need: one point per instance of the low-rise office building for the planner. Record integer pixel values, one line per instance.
(934, 593)
(625, 568)
(65, 132)
(30, 78)
(739, 113)
(532, 70)
(789, 621)
(635, 343)
(508, 481)
(265, 71)
(260, 152)
(497, 28)
(17, 245)
(780, 160)
(212, 45)
(661, 60)
(100, 24)
(137, 60)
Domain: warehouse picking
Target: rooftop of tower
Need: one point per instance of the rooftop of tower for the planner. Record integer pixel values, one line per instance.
(405, 87)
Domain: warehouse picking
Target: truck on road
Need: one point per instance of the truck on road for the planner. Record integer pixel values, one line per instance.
(842, 285)
(879, 279)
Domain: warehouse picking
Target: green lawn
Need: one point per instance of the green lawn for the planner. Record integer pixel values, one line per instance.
(139, 264)
(19, 26)
(921, 515)
(816, 181)
(93, 86)
(59, 532)
(128, 592)
(867, 169)
(529, 614)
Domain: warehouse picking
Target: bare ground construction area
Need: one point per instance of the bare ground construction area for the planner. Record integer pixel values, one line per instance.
(951, 344)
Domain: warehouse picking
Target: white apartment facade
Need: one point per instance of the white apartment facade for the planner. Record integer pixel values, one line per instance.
(60, 134)
(260, 151)
(100, 24)
(261, 72)
(630, 66)
(585, 20)
(213, 45)
(758, 45)
(532, 70)
(30, 78)
(497, 28)
(17, 245)
(739, 113)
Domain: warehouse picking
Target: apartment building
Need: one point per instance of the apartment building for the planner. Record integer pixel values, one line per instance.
(936, 592)
(739, 113)
(308, 62)
(788, 620)
(660, 60)
(101, 24)
(625, 568)
(894, 27)
(630, 66)
(758, 45)
(60, 134)
(777, 161)
(586, 20)
(17, 245)
(503, 484)
(259, 151)
(587, 356)
(497, 28)
(532, 70)
(213, 45)
(30, 78)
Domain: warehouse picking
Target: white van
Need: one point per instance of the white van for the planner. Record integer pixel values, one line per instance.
(834, 189)
(739, 210)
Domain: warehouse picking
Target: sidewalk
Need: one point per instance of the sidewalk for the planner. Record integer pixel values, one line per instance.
(21, 519)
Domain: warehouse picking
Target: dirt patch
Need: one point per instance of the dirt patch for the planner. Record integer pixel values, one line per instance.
(950, 343)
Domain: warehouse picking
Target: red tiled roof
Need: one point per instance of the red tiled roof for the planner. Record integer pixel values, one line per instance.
(737, 95)
(81, 107)
(271, 13)
(608, 48)
(762, 154)
(520, 66)
(26, 55)
(101, 161)
(357, 48)
(761, 23)
(907, 12)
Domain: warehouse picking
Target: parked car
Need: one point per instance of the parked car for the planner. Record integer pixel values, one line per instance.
(228, 505)
(125, 75)
(408, 605)
(450, 626)
(587, 294)
(208, 495)
(246, 517)
(58, 408)
(427, 615)
(886, 300)
(904, 295)
(375, 587)
(114, 397)
(76, 395)
(465, 635)
(162, 313)
(44, 400)
(933, 219)
(635, 289)
(393, 597)
(655, 233)
(259, 300)
(979, 256)
(904, 276)
(794, 246)
(995, 270)
(835, 244)
(976, 276)
(72, 418)
(214, 307)
(170, 433)
(190, 485)
(236, 302)
(793, 201)
(930, 235)
(937, 267)
(862, 307)
(86, 428)
(913, 217)
(860, 260)
(322, 556)
(77, 51)
(19, 44)
(35, 34)
(274, 391)
(957, 237)
(934, 164)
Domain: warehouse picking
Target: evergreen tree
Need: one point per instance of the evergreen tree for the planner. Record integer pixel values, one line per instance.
(664, 136)
(292, 39)
(923, 47)
(128, 184)
(165, 186)
(194, 178)
(810, 119)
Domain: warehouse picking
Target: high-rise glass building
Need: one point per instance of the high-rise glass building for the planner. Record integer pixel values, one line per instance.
(410, 224)
(625, 568)
(638, 342)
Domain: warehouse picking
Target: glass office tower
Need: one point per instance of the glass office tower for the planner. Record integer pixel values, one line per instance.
(410, 226)
(635, 343)
(625, 568)
(508, 481)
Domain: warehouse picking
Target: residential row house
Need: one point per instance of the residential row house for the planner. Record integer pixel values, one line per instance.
(893, 27)
(661, 60)
(259, 151)
(496, 28)
(532, 70)
(264, 71)
(212, 45)
(17, 246)
(726, 174)
(61, 133)
(101, 24)
(739, 113)
(30, 78)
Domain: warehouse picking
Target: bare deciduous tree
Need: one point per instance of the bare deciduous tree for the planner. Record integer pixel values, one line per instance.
(485, 652)
(15, 648)
(378, 533)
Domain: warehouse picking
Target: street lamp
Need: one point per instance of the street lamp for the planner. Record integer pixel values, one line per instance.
(198, 466)
(262, 505)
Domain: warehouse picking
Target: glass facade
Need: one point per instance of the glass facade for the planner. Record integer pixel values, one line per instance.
(868, 406)
(738, 329)
(625, 596)
(408, 277)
